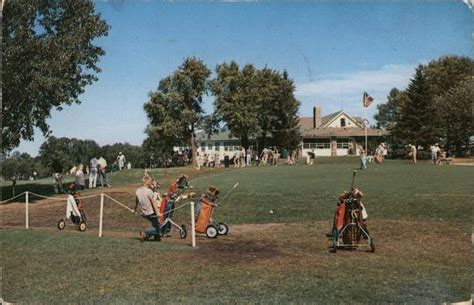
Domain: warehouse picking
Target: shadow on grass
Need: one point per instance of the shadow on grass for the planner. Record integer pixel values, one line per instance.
(38, 188)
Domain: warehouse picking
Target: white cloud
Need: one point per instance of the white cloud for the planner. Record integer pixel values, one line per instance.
(345, 90)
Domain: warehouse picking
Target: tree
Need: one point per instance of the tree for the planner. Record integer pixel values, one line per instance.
(417, 121)
(60, 154)
(257, 103)
(210, 124)
(133, 153)
(48, 59)
(447, 72)
(286, 128)
(389, 113)
(237, 100)
(456, 113)
(17, 166)
(175, 109)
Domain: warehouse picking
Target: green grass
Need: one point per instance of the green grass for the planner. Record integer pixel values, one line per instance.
(419, 215)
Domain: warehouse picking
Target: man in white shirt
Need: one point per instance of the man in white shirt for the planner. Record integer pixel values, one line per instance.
(145, 201)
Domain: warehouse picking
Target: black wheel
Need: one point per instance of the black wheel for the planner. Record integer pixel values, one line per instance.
(183, 232)
(82, 226)
(211, 231)
(222, 228)
(372, 245)
(61, 224)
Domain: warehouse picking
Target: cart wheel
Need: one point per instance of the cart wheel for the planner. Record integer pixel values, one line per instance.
(183, 232)
(82, 226)
(372, 245)
(211, 231)
(61, 224)
(222, 228)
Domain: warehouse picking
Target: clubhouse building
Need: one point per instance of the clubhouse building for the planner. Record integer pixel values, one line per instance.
(336, 134)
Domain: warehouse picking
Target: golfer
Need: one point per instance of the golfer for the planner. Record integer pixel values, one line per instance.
(145, 201)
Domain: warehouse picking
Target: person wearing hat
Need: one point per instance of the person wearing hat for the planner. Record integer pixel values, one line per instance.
(146, 203)
(121, 161)
(74, 204)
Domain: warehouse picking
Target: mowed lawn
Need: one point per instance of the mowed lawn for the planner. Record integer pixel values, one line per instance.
(276, 251)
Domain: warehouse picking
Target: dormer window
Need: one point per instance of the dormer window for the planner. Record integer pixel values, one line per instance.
(343, 122)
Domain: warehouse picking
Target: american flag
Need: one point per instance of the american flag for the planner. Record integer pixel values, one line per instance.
(367, 99)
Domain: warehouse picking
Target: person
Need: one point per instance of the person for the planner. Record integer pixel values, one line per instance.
(242, 157)
(379, 154)
(74, 204)
(93, 172)
(412, 152)
(146, 203)
(58, 183)
(249, 157)
(310, 157)
(121, 161)
(363, 159)
(237, 159)
(434, 153)
(102, 168)
(276, 155)
(129, 165)
(80, 181)
(217, 159)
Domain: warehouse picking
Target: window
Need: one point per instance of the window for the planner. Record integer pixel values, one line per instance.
(231, 146)
(317, 143)
(343, 122)
(210, 146)
(343, 143)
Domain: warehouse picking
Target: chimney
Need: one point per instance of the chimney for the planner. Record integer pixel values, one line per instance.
(316, 117)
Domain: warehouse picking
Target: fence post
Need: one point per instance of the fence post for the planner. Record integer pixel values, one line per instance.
(193, 225)
(27, 214)
(101, 213)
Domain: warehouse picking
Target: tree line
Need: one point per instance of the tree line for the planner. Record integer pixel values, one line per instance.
(436, 107)
(61, 154)
(251, 103)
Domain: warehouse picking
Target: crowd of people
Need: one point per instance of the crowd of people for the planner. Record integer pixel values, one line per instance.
(92, 175)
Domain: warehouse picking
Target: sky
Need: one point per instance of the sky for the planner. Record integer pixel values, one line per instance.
(334, 51)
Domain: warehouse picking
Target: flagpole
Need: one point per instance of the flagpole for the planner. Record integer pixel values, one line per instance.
(365, 124)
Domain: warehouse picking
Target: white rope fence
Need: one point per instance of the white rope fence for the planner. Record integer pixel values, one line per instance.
(101, 212)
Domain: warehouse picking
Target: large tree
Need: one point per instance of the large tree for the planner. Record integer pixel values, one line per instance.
(60, 154)
(389, 113)
(286, 129)
(237, 100)
(417, 121)
(456, 109)
(257, 103)
(48, 59)
(175, 108)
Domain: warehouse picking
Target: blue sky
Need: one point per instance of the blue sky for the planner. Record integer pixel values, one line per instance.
(334, 51)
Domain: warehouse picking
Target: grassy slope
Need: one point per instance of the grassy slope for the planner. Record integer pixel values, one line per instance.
(420, 216)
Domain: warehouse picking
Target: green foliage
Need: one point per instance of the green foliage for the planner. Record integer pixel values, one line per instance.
(257, 103)
(435, 107)
(175, 108)
(389, 113)
(417, 123)
(133, 153)
(48, 59)
(238, 99)
(60, 154)
(455, 108)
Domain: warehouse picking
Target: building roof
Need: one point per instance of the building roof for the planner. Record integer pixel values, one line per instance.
(221, 136)
(343, 132)
(306, 123)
